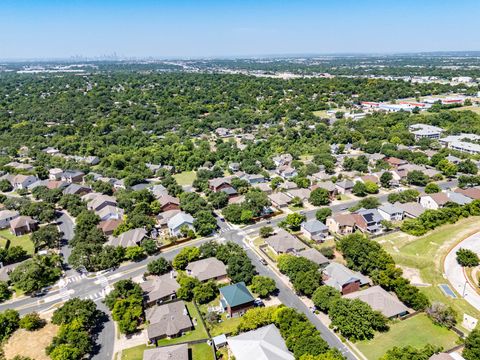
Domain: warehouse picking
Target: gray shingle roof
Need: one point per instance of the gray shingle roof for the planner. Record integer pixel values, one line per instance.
(314, 226)
(207, 269)
(173, 352)
(131, 237)
(339, 276)
(168, 319)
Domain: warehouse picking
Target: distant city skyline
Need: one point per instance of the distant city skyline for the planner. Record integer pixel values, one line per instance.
(54, 29)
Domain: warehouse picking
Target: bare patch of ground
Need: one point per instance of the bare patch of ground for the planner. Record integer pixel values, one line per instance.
(413, 275)
(30, 343)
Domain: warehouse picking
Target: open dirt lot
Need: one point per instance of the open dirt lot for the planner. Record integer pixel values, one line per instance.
(30, 343)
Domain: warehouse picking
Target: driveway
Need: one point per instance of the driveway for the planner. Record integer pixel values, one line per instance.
(455, 274)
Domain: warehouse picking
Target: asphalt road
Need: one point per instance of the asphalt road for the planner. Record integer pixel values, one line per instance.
(94, 287)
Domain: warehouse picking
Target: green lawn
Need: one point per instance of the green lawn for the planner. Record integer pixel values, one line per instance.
(23, 241)
(475, 109)
(185, 178)
(199, 352)
(202, 351)
(427, 254)
(198, 333)
(135, 353)
(416, 331)
(227, 326)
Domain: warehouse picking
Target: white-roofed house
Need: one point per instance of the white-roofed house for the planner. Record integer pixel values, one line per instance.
(178, 222)
(314, 230)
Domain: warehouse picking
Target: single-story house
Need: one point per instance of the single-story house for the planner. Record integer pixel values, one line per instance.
(434, 201)
(286, 172)
(265, 343)
(158, 190)
(287, 185)
(314, 255)
(343, 279)
(265, 187)
(390, 212)
(283, 242)
(327, 185)
(342, 224)
(411, 210)
(282, 159)
(20, 181)
(132, 237)
(253, 179)
(168, 202)
(207, 269)
(473, 193)
(381, 300)
(172, 352)
(97, 201)
(23, 225)
(395, 162)
(221, 184)
(219, 341)
(458, 198)
(6, 216)
(314, 230)
(180, 220)
(55, 174)
(109, 226)
(280, 200)
(344, 186)
(303, 194)
(159, 289)
(76, 189)
(236, 299)
(167, 320)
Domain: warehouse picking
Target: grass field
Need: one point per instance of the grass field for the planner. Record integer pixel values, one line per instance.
(202, 351)
(227, 326)
(30, 344)
(198, 333)
(416, 331)
(475, 109)
(135, 353)
(427, 254)
(23, 241)
(185, 178)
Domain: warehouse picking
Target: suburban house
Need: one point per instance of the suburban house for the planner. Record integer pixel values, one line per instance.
(236, 299)
(368, 220)
(97, 201)
(302, 194)
(287, 185)
(178, 221)
(434, 201)
(19, 181)
(342, 224)
(109, 226)
(343, 279)
(283, 159)
(168, 202)
(265, 187)
(222, 184)
(72, 176)
(234, 166)
(314, 230)
(110, 212)
(76, 189)
(458, 198)
(395, 162)
(327, 185)
(321, 176)
(286, 171)
(314, 255)
(368, 178)
(129, 238)
(381, 300)
(19, 166)
(473, 192)
(164, 217)
(283, 242)
(22, 225)
(158, 190)
(280, 200)
(172, 352)
(263, 343)
(344, 186)
(6, 216)
(6, 270)
(207, 269)
(168, 320)
(391, 212)
(55, 174)
(411, 210)
(159, 289)
(253, 179)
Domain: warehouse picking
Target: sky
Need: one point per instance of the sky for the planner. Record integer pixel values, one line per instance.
(51, 29)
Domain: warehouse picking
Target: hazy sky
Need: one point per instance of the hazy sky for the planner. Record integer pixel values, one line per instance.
(205, 28)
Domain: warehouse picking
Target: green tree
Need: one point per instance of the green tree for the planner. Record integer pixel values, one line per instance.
(134, 253)
(467, 258)
(47, 237)
(205, 223)
(385, 179)
(31, 322)
(324, 296)
(306, 283)
(5, 186)
(442, 315)
(411, 353)
(240, 268)
(10, 321)
(432, 188)
(417, 177)
(322, 214)
(319, 197)
(184, 257)
(36, 273)
(263, 286)
(371, 187)
(159, 266)
(293, 221)
(266, 231)
(359, 189)
(472, 346)
(84, 311)
(5, 292)
(205, 292)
